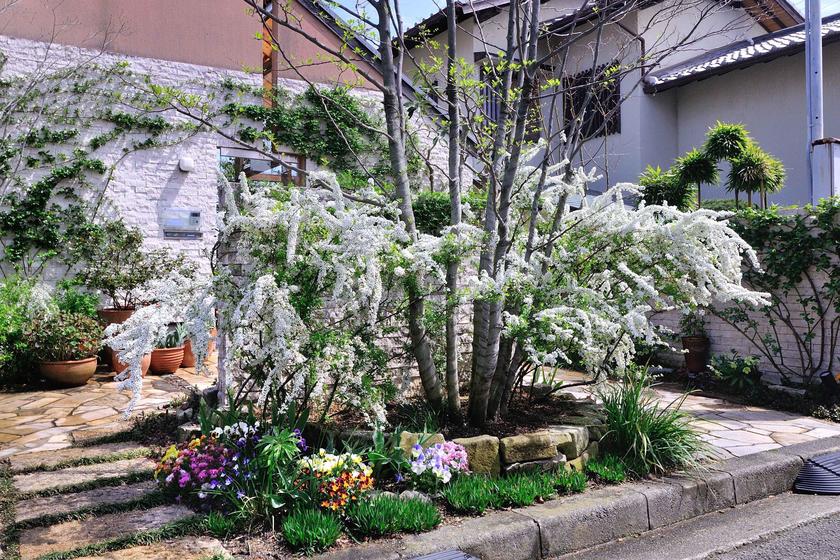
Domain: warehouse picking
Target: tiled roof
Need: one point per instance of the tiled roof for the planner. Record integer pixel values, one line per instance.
(739, 55)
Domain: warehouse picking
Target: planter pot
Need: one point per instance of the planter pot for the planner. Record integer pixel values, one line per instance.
(110, 315)
(166, 360)
(73, 373)
(120, 367)
(697, 355)
(189, 357)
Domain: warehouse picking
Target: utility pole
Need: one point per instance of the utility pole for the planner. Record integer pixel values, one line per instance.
(814, 93)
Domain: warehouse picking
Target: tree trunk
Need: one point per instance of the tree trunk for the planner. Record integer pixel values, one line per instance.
(453, 399)
(393, 109)
(485, 369)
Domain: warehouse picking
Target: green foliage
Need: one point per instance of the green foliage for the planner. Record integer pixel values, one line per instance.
(15, 296)
(220, 525)
(62, 337)
(386, 515)
(741, 374)
(570, 481)
(432, 209)
(644, 434)
(311, 530)
(726, 141)
(70, 299)
(719, 205)
(386, 457)
(693, 324)
(174, 338)
(524, 489)
(662, 187)
(608, 469)
(472, 494)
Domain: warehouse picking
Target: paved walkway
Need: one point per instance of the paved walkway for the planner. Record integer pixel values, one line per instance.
(734, 429)
(44, 420)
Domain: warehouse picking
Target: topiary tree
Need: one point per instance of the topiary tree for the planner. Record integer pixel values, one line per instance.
(726, 141)
(694, 169)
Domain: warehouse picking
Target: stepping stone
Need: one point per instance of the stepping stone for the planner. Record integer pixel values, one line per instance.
(84, 435)
(34, 508)
(40, 481)
(71, 535)
(47, 459)
(189, 548)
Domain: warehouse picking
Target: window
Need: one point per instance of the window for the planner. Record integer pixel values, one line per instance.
(595, 99)
(491, 99)
(288, 168)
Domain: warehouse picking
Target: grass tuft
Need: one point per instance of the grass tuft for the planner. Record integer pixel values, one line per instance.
(311, 530)
(570, 482)
(386, 515)
(608, 469)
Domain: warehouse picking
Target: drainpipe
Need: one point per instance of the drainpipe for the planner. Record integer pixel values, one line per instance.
(814, 93)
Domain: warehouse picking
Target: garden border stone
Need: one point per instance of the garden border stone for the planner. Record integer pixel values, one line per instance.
(596, 517)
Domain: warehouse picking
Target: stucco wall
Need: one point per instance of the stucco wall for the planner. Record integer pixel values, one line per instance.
(216, 33)
(769, 99)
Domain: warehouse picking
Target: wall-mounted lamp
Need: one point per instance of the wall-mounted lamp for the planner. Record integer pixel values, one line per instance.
(186, 164)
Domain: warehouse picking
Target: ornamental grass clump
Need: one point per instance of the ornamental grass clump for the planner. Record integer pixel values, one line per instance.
(311, 530)
(644, 434)
(525, 489)
(386, 515)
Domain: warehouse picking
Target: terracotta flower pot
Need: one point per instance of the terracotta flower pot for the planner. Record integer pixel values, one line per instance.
(72, 373)
(120, 367)
(697, 354)
(110, 315)
(189, 357)
(166, 360)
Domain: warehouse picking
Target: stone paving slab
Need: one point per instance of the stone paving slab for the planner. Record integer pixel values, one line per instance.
(40, 481)
(45, 420)
(60, 504)
(48, 459)
(77, 534)
(190, 548)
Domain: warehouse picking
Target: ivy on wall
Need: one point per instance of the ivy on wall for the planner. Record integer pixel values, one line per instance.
(56, 127)
(800, 259)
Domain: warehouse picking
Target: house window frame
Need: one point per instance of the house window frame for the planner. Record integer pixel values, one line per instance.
(598, 123)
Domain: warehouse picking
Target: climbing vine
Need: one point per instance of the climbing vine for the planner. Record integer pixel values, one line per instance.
(63, 134)
(800, 260)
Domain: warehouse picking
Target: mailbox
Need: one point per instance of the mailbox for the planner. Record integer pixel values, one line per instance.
(182, 223)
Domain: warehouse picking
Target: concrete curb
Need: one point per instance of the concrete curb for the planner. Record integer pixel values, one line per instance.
(592, 518)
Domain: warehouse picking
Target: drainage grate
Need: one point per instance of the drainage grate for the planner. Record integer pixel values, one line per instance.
(447, 555)
(820, 475)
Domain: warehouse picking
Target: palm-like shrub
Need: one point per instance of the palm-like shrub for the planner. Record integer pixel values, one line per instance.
(726, 141)
(756, 171)
(662, 187)
(696, 168)
(646, 435)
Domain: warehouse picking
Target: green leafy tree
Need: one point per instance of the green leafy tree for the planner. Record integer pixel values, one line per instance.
(663, 187)
(756, 171)
(696, 168)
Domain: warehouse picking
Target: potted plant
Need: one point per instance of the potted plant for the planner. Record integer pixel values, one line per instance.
(117, 266)
(189, 356)
(65, 346)
(169, 353)
(695, 342)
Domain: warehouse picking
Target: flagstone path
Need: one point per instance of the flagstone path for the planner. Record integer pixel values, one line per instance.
(53, 419)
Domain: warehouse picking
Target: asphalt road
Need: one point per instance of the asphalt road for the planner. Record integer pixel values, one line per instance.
(785, 527)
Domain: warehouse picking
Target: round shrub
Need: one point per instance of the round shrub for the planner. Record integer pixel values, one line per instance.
(63, 337)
